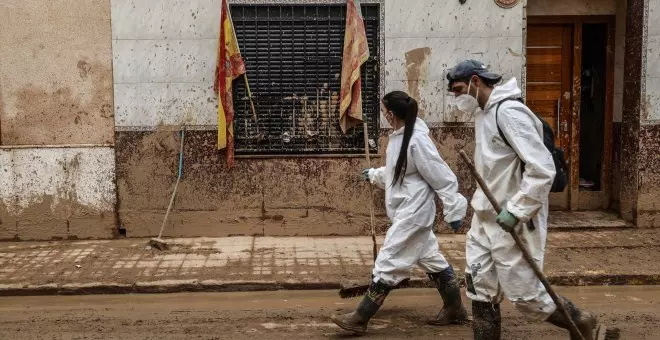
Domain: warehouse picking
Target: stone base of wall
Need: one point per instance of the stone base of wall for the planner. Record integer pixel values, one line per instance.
(57, 193)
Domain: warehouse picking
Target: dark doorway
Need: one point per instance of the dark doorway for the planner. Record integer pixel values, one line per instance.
(593, 105)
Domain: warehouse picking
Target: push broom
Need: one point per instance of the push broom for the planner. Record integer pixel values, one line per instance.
(158, 242)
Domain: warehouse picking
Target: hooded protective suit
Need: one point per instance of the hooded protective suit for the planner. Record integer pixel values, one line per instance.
(411, 206)
(495, 265)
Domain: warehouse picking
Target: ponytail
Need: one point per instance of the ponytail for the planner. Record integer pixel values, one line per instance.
(405, 108)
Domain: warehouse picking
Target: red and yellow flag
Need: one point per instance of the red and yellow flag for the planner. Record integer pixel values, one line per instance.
(229, 66)
(356, 53)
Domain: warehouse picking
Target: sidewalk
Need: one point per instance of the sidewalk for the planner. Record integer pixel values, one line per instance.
(270, 263)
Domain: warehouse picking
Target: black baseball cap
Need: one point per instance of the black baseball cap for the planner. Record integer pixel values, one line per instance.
(468, 68)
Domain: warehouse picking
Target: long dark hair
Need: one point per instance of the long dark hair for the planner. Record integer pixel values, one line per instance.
(405, 108)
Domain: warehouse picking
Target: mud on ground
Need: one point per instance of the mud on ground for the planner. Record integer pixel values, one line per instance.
(293, 315)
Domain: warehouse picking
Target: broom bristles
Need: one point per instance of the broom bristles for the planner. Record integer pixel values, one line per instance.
(612, 334)
(347, 291)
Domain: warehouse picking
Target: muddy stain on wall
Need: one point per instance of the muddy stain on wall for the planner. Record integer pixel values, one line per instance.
(50, 218)
(2, 111)
(58, 116)
(257, 197)
(417, 71)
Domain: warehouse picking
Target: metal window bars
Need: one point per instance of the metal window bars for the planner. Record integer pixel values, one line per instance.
(293, 55)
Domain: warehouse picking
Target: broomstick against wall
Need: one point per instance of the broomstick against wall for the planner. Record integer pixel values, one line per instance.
(230, 65)
(356, 53)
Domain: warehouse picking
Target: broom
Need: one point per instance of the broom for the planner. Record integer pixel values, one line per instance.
(352, 289)
(371, 190)
(158, 242)
(602, 333)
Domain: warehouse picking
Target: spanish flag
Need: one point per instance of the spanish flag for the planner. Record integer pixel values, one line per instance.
(356, 53)
(229, 66)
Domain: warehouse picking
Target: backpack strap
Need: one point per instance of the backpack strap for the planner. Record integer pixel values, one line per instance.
(497, 123)
(530, 225)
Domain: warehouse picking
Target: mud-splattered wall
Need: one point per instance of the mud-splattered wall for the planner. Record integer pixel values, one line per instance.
(164, 55)
(648, 209)
(640, 133)
(56, 120)
(58, 117)
(49, 193)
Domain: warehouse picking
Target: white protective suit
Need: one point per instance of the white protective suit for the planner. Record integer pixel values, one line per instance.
(495, 265)
(411, 207)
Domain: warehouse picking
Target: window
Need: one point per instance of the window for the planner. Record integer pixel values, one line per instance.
(293, 56)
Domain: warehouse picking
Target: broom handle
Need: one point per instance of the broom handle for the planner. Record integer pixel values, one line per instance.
(178, 179)
(371, 189)
(521, 245)
(249, 93)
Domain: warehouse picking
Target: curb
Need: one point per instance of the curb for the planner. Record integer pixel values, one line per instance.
(181, 286)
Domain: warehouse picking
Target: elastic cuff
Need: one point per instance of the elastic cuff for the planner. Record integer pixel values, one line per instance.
(517, 212)
(371, 174)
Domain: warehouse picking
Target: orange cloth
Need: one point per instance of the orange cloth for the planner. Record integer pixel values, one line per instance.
(356, 53)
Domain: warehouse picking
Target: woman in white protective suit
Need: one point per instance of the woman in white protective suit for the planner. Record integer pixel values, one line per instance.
(413, 174)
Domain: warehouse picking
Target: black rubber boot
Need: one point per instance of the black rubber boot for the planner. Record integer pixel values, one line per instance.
(357, 321)
(585, 321)
(487, 323)
(452, 311)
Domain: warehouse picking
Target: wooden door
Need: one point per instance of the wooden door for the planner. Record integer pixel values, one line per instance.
(549, 86)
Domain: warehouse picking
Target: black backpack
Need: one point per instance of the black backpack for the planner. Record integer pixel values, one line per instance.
(561, 177)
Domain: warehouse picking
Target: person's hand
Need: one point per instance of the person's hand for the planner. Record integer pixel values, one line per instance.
(365, 175)
(455, 226)
(506, 220)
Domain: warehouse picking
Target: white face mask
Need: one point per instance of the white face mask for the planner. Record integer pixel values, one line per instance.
(466, 103)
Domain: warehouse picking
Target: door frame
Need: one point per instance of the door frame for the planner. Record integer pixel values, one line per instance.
(588, 200)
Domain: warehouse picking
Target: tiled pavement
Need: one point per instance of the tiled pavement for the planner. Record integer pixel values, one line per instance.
(242, 263)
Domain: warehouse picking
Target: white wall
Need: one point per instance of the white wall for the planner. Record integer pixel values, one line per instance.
(164, 57)
(619, 59)
(652, 100)
(164, 54)
(451, 32)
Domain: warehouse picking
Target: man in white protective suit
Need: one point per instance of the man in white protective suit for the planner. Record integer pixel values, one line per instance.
(519, 170)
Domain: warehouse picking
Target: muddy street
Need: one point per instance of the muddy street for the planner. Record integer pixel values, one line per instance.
(292, 315)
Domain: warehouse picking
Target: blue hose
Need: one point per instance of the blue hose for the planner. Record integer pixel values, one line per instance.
(181, 153)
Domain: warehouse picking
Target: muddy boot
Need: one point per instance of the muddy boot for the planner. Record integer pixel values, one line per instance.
(357, 321)
(452, 311)
(585, 322)
(487, 321)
